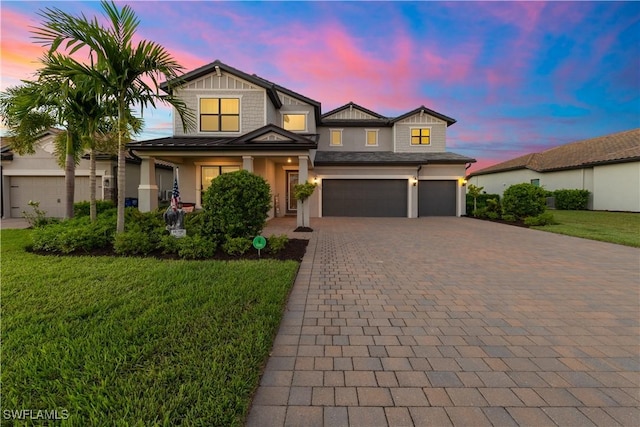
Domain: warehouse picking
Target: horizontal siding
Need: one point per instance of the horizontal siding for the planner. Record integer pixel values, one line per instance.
(252, 104)
(438, 138)
(353, 139)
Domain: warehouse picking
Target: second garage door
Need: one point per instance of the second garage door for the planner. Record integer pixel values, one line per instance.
(364, 197)
(437, 198)
(48, 190)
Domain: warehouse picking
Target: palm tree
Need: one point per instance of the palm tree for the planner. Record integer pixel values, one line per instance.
(123, 74)
(32, 108)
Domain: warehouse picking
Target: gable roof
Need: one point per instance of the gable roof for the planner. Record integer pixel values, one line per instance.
(614, 148)
(373, 119)
(248, 141)
(425, 110)
(271, 88)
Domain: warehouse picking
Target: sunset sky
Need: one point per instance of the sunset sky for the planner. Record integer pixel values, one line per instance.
(518, 77)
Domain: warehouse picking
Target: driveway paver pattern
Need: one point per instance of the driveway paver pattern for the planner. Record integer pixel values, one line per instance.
(455, 321)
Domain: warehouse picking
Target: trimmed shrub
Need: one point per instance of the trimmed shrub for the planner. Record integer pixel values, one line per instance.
(545, 218)
(524, 200)
(134, 242)
(509, 217)
(74, 235)
(236, 245)
(236, 205)
(277, 243)
(571, 199)
(196, 247)
(81, 209)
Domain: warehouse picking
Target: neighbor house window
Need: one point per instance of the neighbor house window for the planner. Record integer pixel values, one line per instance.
(211, 172)
(372, 136)
(420, 136)
(535, 182)
(294, 122)
(219, 115)
(336, 136)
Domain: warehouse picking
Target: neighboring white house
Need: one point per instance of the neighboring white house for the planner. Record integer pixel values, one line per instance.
(607, 166)
(38, 177)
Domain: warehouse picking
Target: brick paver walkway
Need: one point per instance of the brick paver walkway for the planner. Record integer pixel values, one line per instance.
(454, 321)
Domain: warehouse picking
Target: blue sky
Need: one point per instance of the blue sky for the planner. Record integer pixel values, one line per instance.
(517, 76)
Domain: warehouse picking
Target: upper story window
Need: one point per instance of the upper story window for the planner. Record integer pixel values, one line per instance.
(420, 136)
(336, 136)
(372, 136)
(219, 115)
(294, 122)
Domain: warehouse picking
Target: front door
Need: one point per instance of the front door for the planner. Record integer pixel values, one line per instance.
(292, 202)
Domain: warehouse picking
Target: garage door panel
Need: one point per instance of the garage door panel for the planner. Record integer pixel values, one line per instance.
(437, 198)
(48, 190)
(364, 197)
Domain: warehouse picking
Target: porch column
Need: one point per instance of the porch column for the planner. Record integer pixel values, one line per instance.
(147, 190)
(247, 163)
(303, 175)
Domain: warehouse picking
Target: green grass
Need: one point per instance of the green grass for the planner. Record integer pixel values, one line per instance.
(133, 341)
(615, 227)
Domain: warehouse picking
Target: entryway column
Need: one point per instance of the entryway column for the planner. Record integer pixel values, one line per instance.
(147, 190)
(303, 175)
(247, 163)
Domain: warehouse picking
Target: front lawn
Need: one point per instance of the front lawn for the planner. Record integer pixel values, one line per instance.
(614, 227)
(136, 341)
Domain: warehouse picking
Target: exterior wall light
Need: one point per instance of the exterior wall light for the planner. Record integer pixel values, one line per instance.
(414, 181)
(462, 182)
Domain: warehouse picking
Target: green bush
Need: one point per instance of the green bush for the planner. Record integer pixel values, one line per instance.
(571, 200)
(236, 205)
(134, 242)
(193, 222)
(37, 217)
(277, 243)
(524, 200)
(196, 247)
(545, 218)
(236, 245)
(74, 235)
(169, 244)
(81, 209)
(481, 201)
(509, 217)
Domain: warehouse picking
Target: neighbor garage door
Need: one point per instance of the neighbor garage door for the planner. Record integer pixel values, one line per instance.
(364, 197)
(48, 190)
(437, 198)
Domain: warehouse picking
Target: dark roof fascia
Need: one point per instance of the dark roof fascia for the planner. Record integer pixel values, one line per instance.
(594, 163)
(357, 123)
(354, 105)
(513, 168)
(447, 119)
(319, 161)
(246, 138)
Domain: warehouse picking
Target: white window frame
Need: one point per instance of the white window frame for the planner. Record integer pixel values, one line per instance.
(331, 144)
(421, 127)
(221, 96)
(297, 113)
(366, 137)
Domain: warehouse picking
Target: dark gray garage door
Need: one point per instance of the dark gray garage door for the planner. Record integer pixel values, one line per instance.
(437, 198)
(364, 197)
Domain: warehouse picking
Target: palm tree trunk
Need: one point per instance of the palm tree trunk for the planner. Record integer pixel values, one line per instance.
(121, 174)
(93, 212)
(69, 177)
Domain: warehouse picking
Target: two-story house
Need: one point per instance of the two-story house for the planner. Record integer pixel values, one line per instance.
(365, 164)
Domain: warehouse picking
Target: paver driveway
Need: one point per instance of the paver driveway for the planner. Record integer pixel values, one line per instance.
(441, 321)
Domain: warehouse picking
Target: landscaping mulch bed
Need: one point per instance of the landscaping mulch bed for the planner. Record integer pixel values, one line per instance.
(294, 250)
(519, 223)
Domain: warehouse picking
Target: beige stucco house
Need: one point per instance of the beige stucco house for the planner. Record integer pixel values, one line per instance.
(607, 166)
(365, 164)
(38, 177)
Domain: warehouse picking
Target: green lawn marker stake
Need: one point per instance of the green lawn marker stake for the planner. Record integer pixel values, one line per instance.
(259, 242)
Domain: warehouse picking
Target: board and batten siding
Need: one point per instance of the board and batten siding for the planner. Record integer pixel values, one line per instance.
(403, 134)
(252, 101)
(351, 114)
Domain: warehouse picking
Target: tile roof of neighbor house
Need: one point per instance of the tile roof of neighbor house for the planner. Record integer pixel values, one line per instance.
(614, 148)
(348, 158)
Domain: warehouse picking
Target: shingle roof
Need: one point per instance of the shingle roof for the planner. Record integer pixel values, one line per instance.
(356, 106)
(345, 158)
(426, 110)
(614, 148)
